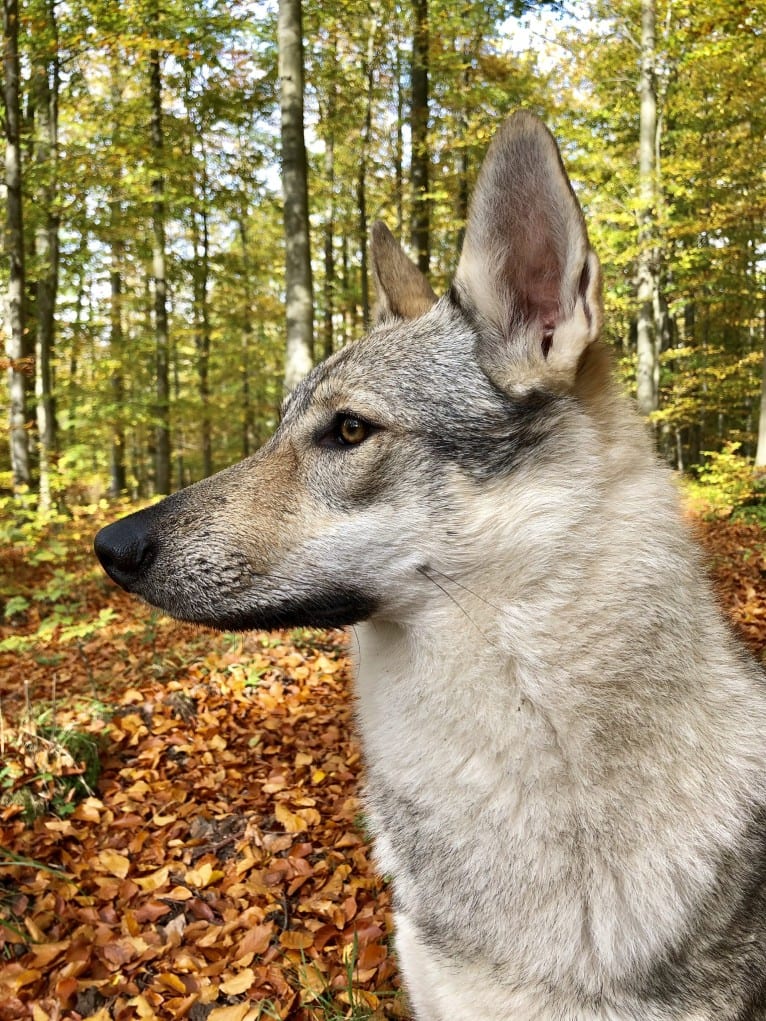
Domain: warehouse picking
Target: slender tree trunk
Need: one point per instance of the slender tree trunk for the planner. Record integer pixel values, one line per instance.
(16, 345)
(159, 273)
(74, 352)
(348, 315)
(248, 417)
(328, 296)
(462, 187)
(329, 249)
(647, 270)
(298, 284)
(760, 453)
(420, 171)
(399, 145)
(201, 283)
(362, 172)
(118, 474)
(201, 274)
(46, 88)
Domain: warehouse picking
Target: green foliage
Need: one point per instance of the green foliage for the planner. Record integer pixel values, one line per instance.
(726, 484)
(728, 474)
(225, 249)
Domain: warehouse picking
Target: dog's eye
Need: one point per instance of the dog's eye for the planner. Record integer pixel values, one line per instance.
(352, 431)
(347, 431)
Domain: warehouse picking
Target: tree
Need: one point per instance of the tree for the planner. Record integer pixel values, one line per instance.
(16, 349)
(421, 158)
(159, 270)
(647, 267)
(298, 283)
(45, 92)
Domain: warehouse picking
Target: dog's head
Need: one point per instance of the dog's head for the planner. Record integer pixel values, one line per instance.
(363, 488)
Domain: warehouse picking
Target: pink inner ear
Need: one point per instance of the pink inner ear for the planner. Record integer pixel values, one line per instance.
(534, 276)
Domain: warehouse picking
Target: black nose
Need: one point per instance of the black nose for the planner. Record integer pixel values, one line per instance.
(126, 550)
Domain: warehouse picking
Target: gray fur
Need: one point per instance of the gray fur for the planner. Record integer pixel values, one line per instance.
(566, 747)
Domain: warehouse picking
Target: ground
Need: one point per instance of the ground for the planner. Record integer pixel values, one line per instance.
(218, 869)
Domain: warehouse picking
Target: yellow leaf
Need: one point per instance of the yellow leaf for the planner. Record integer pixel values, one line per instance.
(113, 863)
(203, 876)
(318, 776)
(89, 810)
(154, 880)
(21, 977)
(238, 983)
(143, 1008)
(311, 817)
(296, 940)
(163, 820)
(235, 1013)
(291, 822)
(180, 893)
(171, 981)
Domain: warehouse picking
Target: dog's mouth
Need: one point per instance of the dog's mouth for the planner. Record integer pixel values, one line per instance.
(328, 610)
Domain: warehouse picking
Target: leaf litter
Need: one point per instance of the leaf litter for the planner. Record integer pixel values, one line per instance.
(219, 870)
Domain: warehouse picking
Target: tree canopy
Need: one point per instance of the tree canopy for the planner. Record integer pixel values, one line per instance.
(149, 148)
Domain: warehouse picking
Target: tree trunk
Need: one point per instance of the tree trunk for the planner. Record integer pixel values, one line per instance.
(248, 416)
(760, 452)
(362, 171)
(298, 284)
(118, 475)
(399, 145)
(201, 284)
(16, 345)
(162, 338)
(329, 251)
(202, 327)
(421, 203)
(46, 88)
(328, 289)
(647, 269)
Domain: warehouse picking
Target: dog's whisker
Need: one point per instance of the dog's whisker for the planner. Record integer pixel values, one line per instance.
(458, 604)
(465, 588)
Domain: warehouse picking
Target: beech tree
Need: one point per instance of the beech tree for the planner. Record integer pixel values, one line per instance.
(419, 116)
(159, 269)
(16, 343)
(647, 263)
(299, 304)
(45, 103)
(161, 192)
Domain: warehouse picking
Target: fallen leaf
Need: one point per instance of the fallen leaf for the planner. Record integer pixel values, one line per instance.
(292, 940)
(238, 983)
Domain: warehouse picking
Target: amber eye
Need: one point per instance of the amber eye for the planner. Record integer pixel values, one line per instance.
(350, 431)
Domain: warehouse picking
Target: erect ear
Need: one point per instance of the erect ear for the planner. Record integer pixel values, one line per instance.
(527, 275)
(401, 288)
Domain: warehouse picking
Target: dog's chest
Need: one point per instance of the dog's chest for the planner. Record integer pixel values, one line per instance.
(467, 794)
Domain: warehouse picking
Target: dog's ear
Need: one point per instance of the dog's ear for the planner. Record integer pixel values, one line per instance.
(401, 288)
(527, 275)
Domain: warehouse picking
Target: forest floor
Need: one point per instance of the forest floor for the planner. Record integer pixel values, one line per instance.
(218, 869)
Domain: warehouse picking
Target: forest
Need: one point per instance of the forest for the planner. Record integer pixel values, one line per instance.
(188, 195)
(145, 328)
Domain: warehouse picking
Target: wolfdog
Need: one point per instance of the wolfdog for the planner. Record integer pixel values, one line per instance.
(565, 745)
